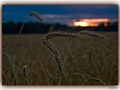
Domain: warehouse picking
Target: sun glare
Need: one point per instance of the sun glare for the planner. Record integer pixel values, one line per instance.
(90, 22)
(83, 24)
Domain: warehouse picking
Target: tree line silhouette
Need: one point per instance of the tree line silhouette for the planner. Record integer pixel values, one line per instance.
(37, 27)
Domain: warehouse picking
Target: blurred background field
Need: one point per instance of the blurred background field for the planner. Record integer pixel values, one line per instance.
(87, 61)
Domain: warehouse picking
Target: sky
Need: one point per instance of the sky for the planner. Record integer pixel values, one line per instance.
(58, 13)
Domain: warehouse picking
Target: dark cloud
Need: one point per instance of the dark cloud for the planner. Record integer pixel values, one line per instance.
(59, 13)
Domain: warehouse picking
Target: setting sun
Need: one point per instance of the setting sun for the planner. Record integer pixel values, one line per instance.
(90, 22)
(83, 24)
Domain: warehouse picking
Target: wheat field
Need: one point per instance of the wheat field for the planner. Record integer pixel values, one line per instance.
(85, 61)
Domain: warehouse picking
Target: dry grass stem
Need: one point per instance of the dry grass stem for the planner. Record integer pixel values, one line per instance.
(57, 56)
(91, 33)
(96, 79)
(36, 15)
(60, 34)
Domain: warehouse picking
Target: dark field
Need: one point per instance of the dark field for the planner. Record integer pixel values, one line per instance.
(86, 61)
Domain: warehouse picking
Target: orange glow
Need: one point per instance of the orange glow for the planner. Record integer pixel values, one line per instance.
(90, 22)
(95, 20)
(83, 24)
(106, 24)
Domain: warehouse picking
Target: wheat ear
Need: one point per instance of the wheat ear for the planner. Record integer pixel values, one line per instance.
(36, 15)
(91, 33)
(58, 58)
(60, 34)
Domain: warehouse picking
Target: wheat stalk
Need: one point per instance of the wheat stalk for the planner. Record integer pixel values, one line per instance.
(51, 28)
(21, 28)
(52, 48)
(97, 79)
(36, 15)
(12, 65)
(71, 75)
(57, 56)
(91, 33)
(60, 34)
(30, 43)
(73, 35)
